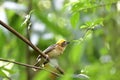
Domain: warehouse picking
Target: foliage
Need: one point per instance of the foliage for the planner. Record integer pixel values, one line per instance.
(92, 27)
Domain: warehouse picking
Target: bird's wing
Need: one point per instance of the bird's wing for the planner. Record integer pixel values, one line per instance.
(49, 49)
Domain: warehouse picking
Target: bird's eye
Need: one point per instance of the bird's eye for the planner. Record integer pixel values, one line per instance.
(63, 44)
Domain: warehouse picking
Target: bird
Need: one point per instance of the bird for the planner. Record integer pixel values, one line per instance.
(53, 51)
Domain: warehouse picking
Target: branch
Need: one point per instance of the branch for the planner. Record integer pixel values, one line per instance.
(22, 38)
(27, 42)
(28, 30)
(30, 66)
(76, 76)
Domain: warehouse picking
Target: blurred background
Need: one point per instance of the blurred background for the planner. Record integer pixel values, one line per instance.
(92, 27)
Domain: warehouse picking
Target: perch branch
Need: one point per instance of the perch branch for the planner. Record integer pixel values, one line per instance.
(26, 41)
(22, 38)
(30, 66)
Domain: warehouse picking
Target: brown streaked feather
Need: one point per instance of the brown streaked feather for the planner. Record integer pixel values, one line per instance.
(49, 49)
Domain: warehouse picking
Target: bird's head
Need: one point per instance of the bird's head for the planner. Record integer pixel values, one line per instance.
(62, 43)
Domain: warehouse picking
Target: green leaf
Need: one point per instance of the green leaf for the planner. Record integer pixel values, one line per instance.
(2, 74)
(9, 70)
(27, 18)
(108, 7)
(89, 23)
(83, 26)
(77, 6)
(98, 21)
(41, 75)
(74, 19)
(93, 23)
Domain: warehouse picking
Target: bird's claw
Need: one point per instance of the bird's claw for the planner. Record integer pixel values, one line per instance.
(42, 65)
(47, 58)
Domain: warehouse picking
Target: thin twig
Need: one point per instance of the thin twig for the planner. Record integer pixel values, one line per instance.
(22, 38)
(30, 66)
(101, 5)
(28, 29)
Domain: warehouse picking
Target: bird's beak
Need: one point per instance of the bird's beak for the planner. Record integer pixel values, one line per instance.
(67, 42)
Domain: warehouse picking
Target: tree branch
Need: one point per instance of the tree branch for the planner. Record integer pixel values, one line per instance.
(28, 29)
(30, 66)
(76, 76)
(101, 5)
(27, 42)
(22, 38)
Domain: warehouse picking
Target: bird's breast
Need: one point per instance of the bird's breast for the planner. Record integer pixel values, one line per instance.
(56, 52)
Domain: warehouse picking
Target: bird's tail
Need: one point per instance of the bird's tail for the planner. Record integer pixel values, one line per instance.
(40, 62)
(37, 64)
